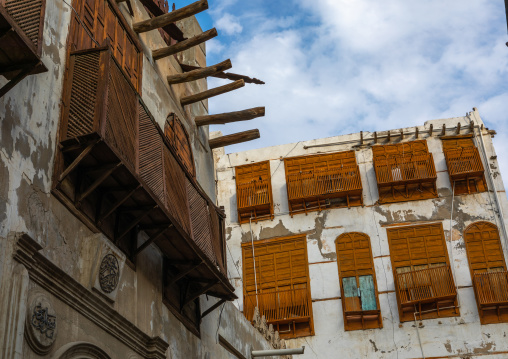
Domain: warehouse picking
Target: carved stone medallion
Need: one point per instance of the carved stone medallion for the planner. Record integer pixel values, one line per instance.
(109, 273)
(41, 325)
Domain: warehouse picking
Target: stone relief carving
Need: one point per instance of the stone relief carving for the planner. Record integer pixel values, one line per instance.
(109, 273)
(41, 324)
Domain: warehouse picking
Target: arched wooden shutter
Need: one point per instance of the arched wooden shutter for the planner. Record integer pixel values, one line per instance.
(359, 295)
(178, 139)
(488, 271)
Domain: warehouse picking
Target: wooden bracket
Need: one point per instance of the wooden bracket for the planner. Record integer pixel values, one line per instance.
(199, 292)
(152, 239)
(183, 273)
(212, 308)
(77, 160)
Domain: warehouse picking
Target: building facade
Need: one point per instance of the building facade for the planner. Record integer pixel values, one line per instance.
(374, 245)
(111, 245)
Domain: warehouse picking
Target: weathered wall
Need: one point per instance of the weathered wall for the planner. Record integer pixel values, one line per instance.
(441, 337)
(29, 118)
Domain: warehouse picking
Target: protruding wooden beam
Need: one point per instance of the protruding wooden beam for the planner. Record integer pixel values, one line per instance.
(211, 93)
(212, 308)
(458, 128)
(389, 136)
(375, 137)
(417, 132)
(199, 74)
(431, 130)
(361, 137)
(401, 134)
(184, 45)
(166, 19)
(471, 126)
(234, 138)
(226, 75)
(229, 117)
(443, 130)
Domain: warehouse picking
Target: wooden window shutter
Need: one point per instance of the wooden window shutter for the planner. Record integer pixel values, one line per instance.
(103, 21)
(283, 285)
(423, 278)
(465, 166)
(317, 182)
(488, 271)
(178, 139)
(254, 192)
(404, 171)
(360, 304)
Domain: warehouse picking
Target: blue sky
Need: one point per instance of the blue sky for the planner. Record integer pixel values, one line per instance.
(341, 66)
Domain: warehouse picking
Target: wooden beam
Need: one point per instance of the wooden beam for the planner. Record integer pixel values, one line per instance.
(117, 204)
(213, 307)
(229, 117)
(458, 128)
(375, 137)
(171, 17)
(443, 130)
(401, 134)
(198, 74)
(361, 137)
(234, 138)
(152, 239)
(212, 93)
(134, 222)
(226, 75)
(431, 130)
(172, 30)
(184, 45)
(78, 159)
(417, 132)
(183, 273)
(18, 78)
(199, 292)
(107, 172)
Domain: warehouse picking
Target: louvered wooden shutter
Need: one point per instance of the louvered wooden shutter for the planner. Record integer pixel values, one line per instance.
(417, 245)
(483, 247)
(319, 162)
(178, 139)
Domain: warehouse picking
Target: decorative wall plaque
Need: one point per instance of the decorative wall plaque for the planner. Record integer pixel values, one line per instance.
(109, 273)
(41, 325)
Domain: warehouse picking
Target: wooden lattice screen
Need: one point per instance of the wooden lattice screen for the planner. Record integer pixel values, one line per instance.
(178, 139)
(254, 192)
(360, 304)
(283, 285)
(464, 164)
(421, 268)
(488, 271)
(404, 171)
(317, 182)
(102, 20)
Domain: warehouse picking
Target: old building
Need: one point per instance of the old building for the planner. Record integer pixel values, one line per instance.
(374, 245)
(111, 243)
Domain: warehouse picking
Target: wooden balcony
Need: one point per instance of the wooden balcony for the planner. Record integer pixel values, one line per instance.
(464, 163)
(291, 307)
(320, 189)
(425, 290)
(21, 30)
(117, 174)
(254, 201)
(491, 289)
(406, 178)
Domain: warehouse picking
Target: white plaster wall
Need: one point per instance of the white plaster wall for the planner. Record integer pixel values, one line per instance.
(443, 337)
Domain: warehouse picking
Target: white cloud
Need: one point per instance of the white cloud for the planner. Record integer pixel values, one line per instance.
(229, 24)
(340, 66)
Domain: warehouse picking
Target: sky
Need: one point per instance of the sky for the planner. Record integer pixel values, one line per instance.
(335, 67)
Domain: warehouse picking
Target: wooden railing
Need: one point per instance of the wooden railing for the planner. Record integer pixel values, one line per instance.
(406, 170)
(491, 288)
(323, 182)
(251, 194)
(280, 306)
(464, 162)
(425, 285)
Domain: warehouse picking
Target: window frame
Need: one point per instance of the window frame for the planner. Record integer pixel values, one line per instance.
(358, 272)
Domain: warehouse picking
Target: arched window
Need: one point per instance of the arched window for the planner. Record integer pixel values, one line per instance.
(178, 139)
(360, 303)
(488, 271)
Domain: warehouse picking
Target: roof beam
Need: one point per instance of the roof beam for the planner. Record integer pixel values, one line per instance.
(184, 45)
(223, 118)
(212, 93)
(199, 74)
(234, 138)
(171, 17)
